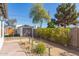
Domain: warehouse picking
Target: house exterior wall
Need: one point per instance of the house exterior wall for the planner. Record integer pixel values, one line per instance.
(3, 15)
(18, 31)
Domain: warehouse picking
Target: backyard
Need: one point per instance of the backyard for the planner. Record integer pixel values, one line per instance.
(40, 31)
(22, 46)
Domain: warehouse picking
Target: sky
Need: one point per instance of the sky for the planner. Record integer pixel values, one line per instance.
(20, 12)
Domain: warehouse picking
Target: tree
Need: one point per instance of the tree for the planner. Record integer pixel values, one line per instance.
(10, 26)
(52, 24)
(75, 22)
(10, 31)
(66, 14)
(11, 23)
(39, 14)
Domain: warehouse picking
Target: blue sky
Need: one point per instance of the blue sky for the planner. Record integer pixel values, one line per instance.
(20, 12)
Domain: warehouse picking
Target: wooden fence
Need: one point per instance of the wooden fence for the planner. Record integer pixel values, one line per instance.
(74, 34)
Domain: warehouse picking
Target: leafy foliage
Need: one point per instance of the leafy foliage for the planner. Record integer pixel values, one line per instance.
(39, 14)
(58, 35)
(52, 24)
(66, 14)
(11, 22)
(40, 48)
(10, 26)
(10, 31)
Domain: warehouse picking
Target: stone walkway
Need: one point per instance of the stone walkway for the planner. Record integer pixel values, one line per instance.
(11, 48)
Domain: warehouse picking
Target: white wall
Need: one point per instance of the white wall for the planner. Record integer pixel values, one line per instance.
(1, 33)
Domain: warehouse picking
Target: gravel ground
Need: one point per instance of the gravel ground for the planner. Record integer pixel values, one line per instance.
(12, 48)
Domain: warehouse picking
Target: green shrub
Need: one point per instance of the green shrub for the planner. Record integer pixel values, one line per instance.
(8, 35)
(40, 48)
(16, 35)
(58, 35)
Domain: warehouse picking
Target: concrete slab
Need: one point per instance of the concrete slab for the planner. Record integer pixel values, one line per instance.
(11, 49)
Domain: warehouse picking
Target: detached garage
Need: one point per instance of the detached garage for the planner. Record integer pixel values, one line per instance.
(25, 30)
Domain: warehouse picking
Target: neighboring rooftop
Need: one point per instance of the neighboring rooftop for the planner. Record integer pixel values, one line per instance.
(28, 26)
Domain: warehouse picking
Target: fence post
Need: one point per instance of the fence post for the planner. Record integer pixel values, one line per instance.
(32, 42)
(49, 52)
(29, 40)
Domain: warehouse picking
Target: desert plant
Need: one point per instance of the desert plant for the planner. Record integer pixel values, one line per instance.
(40, 48)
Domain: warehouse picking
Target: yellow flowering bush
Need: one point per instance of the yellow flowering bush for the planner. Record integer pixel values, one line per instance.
(58, 35)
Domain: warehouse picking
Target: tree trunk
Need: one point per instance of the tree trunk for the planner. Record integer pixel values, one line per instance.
(64, 25)
(41, 24)
(58, 25)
